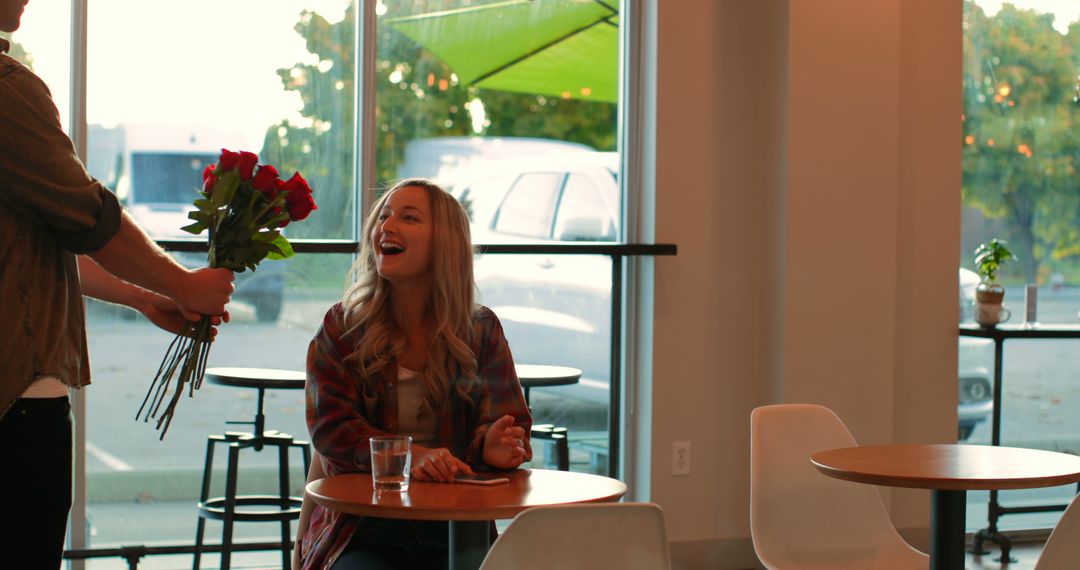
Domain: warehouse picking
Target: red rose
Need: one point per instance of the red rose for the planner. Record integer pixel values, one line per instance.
(266, 181)
(298, 200)
(300, 207)
(228, 160)
(208, 178)
(246, 164)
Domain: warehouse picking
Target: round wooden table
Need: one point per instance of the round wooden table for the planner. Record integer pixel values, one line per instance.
(949, 471)
(468, 508)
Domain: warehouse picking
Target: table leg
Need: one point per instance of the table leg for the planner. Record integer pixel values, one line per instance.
(947, 513)
(469, 544)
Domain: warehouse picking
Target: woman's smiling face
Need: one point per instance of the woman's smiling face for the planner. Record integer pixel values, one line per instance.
(402, 236)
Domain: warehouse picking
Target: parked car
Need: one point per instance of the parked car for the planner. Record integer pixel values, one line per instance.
(556, 309)
(155, 171)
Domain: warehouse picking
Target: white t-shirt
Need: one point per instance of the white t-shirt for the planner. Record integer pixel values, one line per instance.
(415, 417)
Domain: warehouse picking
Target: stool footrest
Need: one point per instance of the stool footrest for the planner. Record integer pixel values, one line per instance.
(271, 508)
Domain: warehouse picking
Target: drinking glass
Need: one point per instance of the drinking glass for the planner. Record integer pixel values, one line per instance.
(391, 460)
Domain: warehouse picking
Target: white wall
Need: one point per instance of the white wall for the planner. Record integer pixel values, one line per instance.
(807, 166)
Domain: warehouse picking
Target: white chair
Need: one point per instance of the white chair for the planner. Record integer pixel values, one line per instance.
(628, 536)
(801, 519)
(1062, 550)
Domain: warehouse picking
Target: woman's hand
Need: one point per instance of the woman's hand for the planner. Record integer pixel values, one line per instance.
(504, 444)
(437, 465)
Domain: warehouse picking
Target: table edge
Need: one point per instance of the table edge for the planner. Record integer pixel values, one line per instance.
(214, 377)
(427, 514)
(945, 484)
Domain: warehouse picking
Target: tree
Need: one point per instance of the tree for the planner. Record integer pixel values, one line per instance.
(1020, 146)
(417, 96)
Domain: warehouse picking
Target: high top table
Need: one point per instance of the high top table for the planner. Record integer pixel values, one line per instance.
(949, 471)
(546, 376)
(469, 508)
(231, 506)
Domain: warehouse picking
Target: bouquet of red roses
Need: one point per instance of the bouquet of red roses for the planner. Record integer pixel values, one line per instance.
(243, 205)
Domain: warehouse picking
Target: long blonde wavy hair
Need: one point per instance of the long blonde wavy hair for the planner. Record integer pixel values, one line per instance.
(368, 300)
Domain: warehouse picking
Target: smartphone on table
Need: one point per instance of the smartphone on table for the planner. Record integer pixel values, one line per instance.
(482, 479)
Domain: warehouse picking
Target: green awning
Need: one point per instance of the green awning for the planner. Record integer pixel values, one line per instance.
(560, 48)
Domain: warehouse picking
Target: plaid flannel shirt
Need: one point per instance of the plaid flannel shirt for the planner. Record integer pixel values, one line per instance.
(344, 409)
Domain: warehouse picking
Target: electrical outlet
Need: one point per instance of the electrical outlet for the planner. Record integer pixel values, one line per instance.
(680, 458)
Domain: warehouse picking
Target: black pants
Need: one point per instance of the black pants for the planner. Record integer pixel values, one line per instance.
(35, 475)
(386, 544)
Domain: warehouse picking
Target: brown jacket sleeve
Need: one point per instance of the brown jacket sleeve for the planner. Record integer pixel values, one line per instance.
(40, 175)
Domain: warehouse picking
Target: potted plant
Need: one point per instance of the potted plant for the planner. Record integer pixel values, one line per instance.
(989, 258)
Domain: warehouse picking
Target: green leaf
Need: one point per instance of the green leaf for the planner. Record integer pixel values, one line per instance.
(267, 237)
(284, 248)
(225, 189)
(196, 228)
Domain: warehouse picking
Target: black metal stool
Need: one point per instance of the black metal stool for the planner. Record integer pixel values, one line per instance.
(537, 376)
(231, 507)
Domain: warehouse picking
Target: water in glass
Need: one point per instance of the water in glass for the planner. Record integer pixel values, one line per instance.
(391, 459)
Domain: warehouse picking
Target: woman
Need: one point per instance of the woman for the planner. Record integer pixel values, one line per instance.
(408, 352)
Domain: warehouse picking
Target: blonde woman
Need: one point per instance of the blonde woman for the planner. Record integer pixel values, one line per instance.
(407, 351)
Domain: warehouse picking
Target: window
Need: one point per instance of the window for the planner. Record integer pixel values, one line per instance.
(280, 79)
(1020, 161)
(159, 106)
(505, 104)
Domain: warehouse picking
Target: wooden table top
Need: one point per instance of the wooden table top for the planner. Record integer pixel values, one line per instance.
(539, 375)
(527, 488)
(949, 467)
(270, 378)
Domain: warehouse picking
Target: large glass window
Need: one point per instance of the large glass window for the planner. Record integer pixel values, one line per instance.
(162, 100)
(1021, 147)
(512, 107)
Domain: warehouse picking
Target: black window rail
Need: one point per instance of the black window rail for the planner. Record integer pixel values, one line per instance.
(617, 251)
(349, 246)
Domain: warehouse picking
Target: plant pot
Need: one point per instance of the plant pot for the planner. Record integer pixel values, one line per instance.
(988, 305)
(989, 293)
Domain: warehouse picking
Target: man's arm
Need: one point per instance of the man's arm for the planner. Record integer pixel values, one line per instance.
(132, 257)
(161, 310)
